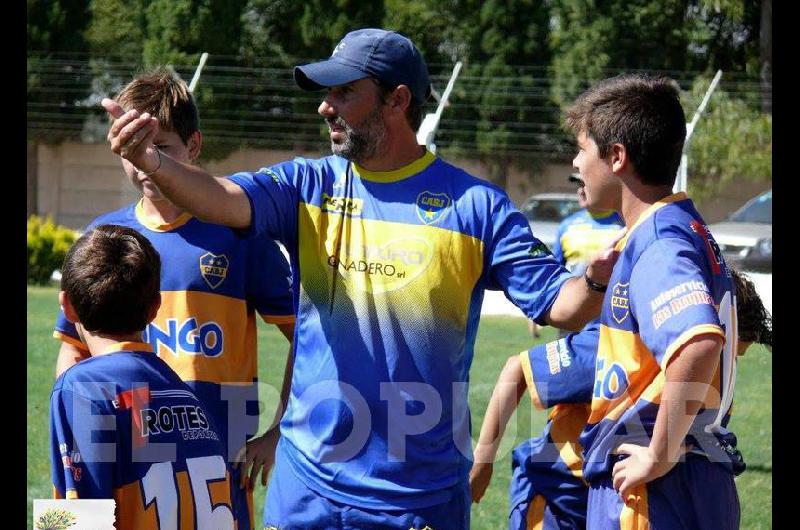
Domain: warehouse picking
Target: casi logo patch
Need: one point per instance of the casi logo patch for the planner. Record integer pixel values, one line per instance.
(432, 207)
(213, 268)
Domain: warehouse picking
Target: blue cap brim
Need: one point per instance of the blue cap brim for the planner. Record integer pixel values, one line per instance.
(326, 74)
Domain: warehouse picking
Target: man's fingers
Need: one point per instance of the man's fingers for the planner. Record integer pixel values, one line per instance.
(113, 108)
(625, 449)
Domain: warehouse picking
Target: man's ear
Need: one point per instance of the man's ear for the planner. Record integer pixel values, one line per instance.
(618, 156)
(400, 99)
(66, 306)
(195, 145)
(154, 309)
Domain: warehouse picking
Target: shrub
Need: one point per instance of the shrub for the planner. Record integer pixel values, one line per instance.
(48, 244)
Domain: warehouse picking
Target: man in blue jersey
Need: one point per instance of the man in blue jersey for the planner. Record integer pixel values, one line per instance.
(123, 425)
(393, 249)
(214, 284)
(666, 356)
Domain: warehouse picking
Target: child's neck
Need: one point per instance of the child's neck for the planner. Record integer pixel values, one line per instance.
(99, 343)
(161, 211)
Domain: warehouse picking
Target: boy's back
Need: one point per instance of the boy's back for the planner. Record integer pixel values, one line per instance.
(156, 450)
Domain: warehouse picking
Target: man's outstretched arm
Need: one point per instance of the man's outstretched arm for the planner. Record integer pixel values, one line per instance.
(209, 198)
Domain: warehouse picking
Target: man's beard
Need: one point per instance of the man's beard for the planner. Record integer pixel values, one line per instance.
(363, 143)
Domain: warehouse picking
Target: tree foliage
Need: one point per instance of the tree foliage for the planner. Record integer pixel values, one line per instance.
(732, 141)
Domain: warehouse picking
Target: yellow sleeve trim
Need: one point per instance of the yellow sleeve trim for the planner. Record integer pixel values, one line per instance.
(279, 319)
(528, 371)
(72, 494)
(686, 336)
(70, 340)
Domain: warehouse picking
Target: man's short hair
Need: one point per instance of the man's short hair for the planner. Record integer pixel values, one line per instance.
(111, 276)
(163, 94)
(641, 112)
(754, 323)
(414, 110)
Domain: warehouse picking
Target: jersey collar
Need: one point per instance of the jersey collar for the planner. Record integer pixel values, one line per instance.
(128, 346)
(141, 216)
(417, 166)
(675, 197)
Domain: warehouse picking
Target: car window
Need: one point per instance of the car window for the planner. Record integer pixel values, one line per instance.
(553, 210)
(759, 210)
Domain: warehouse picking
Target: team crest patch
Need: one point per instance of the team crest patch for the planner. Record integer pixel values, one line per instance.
(213, 268)
(431, 207)
(619, 302)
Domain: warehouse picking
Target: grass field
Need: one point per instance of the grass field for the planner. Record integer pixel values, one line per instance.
(498, 338)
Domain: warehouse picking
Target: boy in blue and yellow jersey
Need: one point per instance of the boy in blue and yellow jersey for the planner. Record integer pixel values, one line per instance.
(393, 249)
(213, 283)
(666, 353)
(547, 489)
(123, 425)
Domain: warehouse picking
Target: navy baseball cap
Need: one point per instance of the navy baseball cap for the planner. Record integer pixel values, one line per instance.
(387, 56)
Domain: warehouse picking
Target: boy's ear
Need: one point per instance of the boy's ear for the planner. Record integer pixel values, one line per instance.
(154, 308)
(618, 156)
(66, 306)
(195, 145)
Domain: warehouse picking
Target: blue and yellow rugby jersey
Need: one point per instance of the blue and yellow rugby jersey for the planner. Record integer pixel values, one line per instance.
(213, 283)
(558, 374)
(582, 235)
(390, 273)
(124, 426)
(670, 284)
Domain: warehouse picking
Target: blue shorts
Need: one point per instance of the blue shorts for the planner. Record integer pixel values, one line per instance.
(695, 495)
(543, 488)
(539, 514)
(242, 502)
(291, 505)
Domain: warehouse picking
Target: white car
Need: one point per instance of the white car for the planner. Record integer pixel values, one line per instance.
(545, 211)
(745, 239)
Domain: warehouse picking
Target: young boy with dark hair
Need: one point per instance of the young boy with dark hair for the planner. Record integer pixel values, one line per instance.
(123, 424)
(547, 486)
(213, 284)
(664, 370)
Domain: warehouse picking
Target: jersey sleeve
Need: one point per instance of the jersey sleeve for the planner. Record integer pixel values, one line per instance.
(670, 297)
(273, 195)
(562, 371)
(65, 331)
(521, 265)
(270, 282)
(558, 250)
(78, 470)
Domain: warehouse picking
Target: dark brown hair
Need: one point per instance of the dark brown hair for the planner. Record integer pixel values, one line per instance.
(166, 97)
(414, 110)
(754, 321)
(111, 276)
(641, 112)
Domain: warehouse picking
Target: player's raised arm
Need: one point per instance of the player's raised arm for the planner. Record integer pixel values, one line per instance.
(209, 198)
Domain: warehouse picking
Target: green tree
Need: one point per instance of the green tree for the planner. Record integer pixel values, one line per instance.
(731, 142)
(511, 32)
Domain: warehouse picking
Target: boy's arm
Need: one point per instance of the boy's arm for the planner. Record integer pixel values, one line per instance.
(69, 356)
(507, 392)
(260, 451)
(687, 379)
(211, 199)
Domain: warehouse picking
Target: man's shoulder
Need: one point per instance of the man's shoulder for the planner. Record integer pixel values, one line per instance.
(124, 216)
(471, 185)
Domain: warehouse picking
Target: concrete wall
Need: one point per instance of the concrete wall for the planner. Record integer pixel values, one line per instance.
(75, 182)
